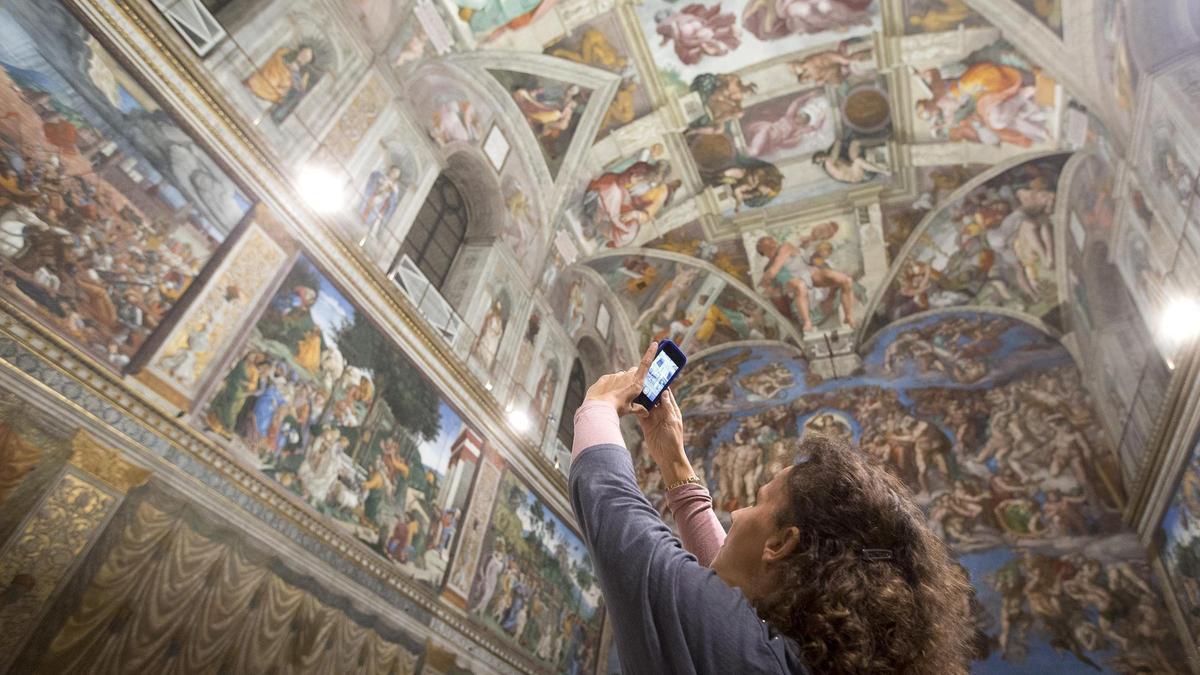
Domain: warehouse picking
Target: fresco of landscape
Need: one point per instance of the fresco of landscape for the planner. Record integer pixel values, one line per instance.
(331, 409)
(535, 583)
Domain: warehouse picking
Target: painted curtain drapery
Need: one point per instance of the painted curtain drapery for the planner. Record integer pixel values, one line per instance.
(173, 597)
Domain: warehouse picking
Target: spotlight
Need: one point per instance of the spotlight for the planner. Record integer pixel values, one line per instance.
(1180, 321)
(321, 189)
(488, 385)
(519, 420)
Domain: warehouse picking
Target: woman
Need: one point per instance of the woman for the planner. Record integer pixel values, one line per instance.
(833, 569)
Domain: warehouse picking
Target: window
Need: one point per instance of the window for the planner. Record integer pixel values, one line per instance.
(438, 232)
(576, 390)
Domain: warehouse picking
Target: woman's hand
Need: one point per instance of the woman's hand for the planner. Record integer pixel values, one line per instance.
(662, 436)
(619, 389)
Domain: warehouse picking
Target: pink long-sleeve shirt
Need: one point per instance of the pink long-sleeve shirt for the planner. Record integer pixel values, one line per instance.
(597, 423)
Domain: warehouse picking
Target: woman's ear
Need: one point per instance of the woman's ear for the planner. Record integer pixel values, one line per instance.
(782, 544)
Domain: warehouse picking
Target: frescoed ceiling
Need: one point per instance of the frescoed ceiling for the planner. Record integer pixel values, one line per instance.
(365, 257)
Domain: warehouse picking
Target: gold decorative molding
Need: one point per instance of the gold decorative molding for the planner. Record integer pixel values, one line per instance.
(106, 464)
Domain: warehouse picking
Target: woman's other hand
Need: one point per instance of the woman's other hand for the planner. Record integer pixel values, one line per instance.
(619, 389)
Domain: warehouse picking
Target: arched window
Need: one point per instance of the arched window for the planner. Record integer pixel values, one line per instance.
(438, 232)
(576, 390)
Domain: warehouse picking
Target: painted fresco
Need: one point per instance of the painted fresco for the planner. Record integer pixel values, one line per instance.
(378, 18)
(993, 97)
(732, 317)
(488, 20)
(1140, 250)
(409, 49)
(108, 210)
(810, 272)
(208, 328)
(994, 246)
(390, 182)
(937, 16)
(1169, 162)
(729, 255)
(552, 109)
(730, 36)
(288, 68)
(600, 43)
(627, 195)
(1179, 542)
(900, 219)
(449, 113)
(523, 228)
(1118, 72)
(681, 301)
(323, 403)
(984, 417)
(534, 584)
(1048, 12)
(779, 149)
(662, 298)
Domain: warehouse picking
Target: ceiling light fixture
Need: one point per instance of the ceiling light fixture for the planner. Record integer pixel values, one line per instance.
(1180, 321)
(321, 189)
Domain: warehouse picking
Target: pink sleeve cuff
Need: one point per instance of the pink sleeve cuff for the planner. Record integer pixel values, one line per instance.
(696, 521)
(596, 423)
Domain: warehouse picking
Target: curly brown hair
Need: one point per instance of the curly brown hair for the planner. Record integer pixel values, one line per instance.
(870, 588)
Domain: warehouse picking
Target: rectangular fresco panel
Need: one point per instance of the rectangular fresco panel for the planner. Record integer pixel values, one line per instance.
(213, 318)
(1179, 542)
(1009, 101)
(108, 209)
(325, 404)
(810, 272)
(535, 585)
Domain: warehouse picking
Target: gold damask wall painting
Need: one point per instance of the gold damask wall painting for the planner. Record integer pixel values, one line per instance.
(174, 588)
(108, 209)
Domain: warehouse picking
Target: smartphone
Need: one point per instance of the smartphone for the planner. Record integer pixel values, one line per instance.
(663, 370)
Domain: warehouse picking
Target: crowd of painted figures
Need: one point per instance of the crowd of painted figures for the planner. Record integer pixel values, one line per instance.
(1008, 463)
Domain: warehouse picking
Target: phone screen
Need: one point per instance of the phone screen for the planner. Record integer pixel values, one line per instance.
(661, 371)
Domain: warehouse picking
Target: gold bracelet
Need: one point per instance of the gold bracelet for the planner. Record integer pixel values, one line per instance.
(690, 479)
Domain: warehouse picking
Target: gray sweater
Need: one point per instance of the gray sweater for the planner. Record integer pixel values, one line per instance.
(669, 613)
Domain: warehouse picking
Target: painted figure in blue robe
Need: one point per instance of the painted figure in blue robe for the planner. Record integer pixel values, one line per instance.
(514, 610)
(384, 190)
(269, 402)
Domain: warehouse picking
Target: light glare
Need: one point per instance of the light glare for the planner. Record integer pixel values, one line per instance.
(1180, 320)
(519, 420)
(320, 189)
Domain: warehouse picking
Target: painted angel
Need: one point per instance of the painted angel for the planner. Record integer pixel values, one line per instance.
(699, 31)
